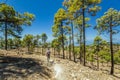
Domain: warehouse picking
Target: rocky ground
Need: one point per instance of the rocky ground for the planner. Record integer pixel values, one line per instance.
(75, 71)
(35, 67)
(23, 67)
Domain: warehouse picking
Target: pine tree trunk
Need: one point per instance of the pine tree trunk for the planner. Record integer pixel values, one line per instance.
(81, 44)
(70, 47)
(98, 57)
(62, 40)
(111, 49)
(73, 41)
(84, 43)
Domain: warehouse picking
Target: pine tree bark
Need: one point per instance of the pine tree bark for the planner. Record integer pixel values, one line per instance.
(81, 46)
(62, 40)
(84, 43)
(98, 56)
(73, 42)
(111, 49)
(70, 47)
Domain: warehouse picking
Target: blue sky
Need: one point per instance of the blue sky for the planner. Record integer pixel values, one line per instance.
(44, 11)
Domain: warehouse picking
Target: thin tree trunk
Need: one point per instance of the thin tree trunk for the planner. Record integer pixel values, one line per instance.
(62, 40)
(73, 41)
(81, 53)
(84, 43)
(80, 43)
(111, 49)
(66, 53)
(98, 57)
(70, 47)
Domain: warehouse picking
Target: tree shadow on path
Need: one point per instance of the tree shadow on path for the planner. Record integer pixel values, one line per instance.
(21, 67)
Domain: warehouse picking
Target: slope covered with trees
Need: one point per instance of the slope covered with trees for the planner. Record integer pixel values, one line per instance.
(76, 14)
(25, 55)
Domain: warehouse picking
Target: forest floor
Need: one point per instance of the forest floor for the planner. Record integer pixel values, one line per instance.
(15, 66)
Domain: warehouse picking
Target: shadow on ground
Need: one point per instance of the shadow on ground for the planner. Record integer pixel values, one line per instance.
(21, 67)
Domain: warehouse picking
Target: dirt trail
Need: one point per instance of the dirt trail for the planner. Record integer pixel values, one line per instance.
(68, 70)
(35, 67)
(23, 67)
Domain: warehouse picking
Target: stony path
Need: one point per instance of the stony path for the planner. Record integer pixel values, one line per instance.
(58, 70)
(68, 70)
(23, 67)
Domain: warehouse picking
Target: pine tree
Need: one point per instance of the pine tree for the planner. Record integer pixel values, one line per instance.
(106, 23)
